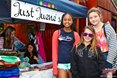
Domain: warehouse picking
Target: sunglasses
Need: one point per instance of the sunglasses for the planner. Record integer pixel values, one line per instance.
(89, 34)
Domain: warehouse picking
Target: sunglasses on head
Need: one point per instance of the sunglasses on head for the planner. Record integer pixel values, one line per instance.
(89, 34)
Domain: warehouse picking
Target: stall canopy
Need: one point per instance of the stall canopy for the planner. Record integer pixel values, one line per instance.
(5, 12)
(77, 10)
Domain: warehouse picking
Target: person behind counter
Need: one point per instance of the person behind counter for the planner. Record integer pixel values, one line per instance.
(31, 53)
(1, 37)
(10, 41)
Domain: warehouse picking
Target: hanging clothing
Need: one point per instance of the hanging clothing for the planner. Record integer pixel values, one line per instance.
(40, 44)
(32, 38)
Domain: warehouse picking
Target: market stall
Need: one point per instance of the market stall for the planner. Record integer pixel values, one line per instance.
(37, 74)
(11, 14)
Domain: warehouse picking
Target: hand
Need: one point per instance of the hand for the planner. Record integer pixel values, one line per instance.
(109, 75)
(35, 58)
(54, 76)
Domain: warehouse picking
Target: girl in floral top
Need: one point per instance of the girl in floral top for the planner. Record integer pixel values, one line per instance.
(106, 37)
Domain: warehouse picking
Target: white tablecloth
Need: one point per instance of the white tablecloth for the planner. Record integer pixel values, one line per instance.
(48, 73)
(37, 74)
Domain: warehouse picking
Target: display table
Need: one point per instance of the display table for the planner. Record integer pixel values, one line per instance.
(37, 74)
(44, 73)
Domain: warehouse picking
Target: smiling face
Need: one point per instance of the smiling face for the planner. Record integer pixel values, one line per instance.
(13, 34)
(30, 48)
(67, 20)
(94, 18)
(87, 35)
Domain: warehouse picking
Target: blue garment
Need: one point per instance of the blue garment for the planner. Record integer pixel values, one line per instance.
(107, 64)
(6, 73)
(66, 66)
(40, 61)
(66, 41)
(18, 45)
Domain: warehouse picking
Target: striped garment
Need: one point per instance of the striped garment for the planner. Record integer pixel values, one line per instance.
(112, 42)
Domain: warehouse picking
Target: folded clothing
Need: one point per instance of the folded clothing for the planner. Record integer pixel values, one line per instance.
(6, 73)
(2, 63)
(9, 59)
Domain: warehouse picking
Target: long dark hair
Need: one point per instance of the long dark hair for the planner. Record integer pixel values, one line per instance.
(73, 24)
(1, 29)
(8, 41)
(34, 52)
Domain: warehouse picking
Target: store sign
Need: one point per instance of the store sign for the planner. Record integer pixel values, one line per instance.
(23, 10)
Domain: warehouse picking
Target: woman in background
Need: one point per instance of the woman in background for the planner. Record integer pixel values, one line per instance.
(31, 53)
(1, 37)
(10, 41)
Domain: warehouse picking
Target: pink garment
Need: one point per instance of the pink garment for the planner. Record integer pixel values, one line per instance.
(13, 77)
(41, 50)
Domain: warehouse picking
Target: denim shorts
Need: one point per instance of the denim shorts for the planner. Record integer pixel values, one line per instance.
(107, 64)
(66, 66)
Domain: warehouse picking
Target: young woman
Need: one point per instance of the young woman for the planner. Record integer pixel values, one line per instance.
(106, 37)
(31, 53)
(62, 43)
(1, 37)
(87, 59)
(10, 41)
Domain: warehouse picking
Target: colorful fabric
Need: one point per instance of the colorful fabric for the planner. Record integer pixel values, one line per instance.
(41, 50)
(18, 45)
(9, 59)
(14, 77)
(102, 43)
(64, 66)
(6, 73)
(5, 64)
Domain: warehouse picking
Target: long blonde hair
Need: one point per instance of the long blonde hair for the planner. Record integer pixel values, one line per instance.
(93, 41)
